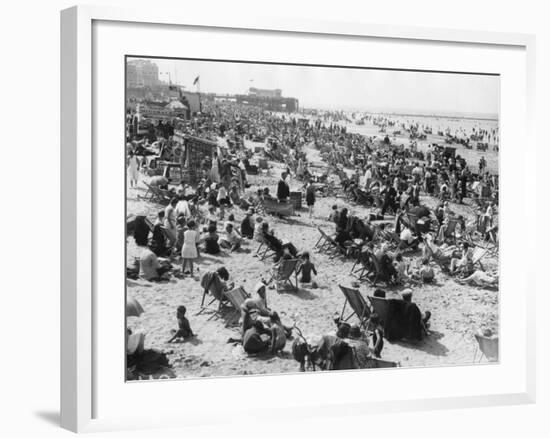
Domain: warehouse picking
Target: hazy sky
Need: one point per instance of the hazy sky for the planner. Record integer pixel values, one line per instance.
(345, 88)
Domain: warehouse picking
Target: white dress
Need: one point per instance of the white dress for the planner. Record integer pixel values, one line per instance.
(133, 172)
(189, 248)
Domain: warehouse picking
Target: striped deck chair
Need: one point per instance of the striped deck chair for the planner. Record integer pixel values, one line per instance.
(361, 265)
(359, 306)
(284, 273)
(479, 253)
(236, 297)
(379, 274)
(488, 348)
(443, 262)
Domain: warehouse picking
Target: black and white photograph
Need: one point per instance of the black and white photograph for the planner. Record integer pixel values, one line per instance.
(286, 218)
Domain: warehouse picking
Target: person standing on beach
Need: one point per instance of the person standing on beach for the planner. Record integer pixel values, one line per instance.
(170, 220)
(215, 170)
(310, 197)
(189, 251)
(283, 191)
(133, 169)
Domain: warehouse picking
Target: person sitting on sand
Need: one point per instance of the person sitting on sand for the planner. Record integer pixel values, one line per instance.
(278, 334)
(306, 268)
(211, 245)
(425, 273)
(465, 264)
(184, 328)
(258, 237)
(402, 269)
(231, 239)
(247, 224)
(480, 279)
(407, 295)
(150, 267)
(256, 339)
(407, 239)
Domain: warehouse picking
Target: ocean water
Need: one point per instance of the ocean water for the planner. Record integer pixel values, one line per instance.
(459, 127)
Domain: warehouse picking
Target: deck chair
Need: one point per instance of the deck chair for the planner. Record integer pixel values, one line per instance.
(379, 275)
(380, 306)
(322, 243)
(488, 347)
(443, 263)
(236, 297)
(286, 271)
(450, 230)
(357, 303)
(479, 253)
(265, 250)
(214, 288)
(281, 209)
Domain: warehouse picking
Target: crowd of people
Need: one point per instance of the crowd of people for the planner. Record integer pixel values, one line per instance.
(397, 243)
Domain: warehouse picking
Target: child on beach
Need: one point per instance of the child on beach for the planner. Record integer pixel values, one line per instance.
(306, 268)
(184, 328)
(258, 229)
(189, 249)
(377, 332)
(278, 334)
(401, 268)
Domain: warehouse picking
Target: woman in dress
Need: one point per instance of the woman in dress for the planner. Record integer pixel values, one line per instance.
(215, 171)
(133, 169)
(189, 252)
(170, 220)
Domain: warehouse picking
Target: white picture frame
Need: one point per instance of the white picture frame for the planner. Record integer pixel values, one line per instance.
(79, 203)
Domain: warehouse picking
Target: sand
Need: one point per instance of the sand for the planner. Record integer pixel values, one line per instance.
(457, 310)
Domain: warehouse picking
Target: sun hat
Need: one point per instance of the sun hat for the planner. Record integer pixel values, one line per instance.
(407, 293)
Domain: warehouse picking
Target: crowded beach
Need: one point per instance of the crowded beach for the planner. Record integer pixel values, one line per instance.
(266, 242)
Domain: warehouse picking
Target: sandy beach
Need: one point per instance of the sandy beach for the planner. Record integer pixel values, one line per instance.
(457, 310)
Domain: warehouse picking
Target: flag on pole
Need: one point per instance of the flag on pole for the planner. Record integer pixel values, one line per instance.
(196, 80)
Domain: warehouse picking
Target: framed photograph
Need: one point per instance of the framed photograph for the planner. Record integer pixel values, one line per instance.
(328, 211)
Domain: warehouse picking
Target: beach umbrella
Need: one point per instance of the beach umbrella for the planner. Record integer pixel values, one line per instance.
(133, 308)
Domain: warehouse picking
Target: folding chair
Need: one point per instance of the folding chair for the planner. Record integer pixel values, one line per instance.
(216, 289)
(236, 297)
(283, 274)
(379, 275)
(488, 348)
(357, 303)
(450, 230)
(280, 209)
(323, 243)
(265, 250)
(479, 253)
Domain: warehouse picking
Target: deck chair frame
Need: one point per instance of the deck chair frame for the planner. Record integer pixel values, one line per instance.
(289, 269)
(359, 306)
(488, 347)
